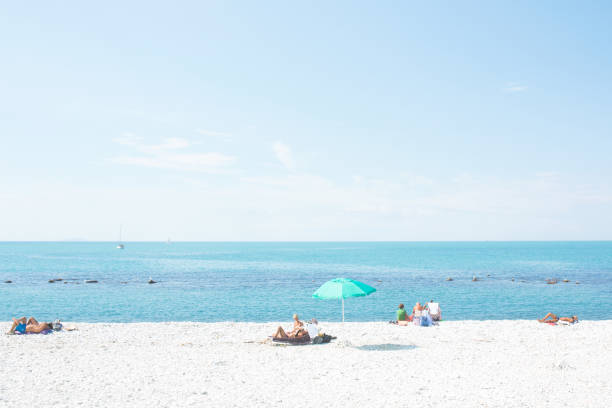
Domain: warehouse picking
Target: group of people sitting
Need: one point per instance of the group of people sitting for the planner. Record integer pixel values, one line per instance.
(302, 333)
(422, 315)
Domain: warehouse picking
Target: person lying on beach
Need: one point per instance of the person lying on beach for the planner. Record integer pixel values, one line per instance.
(31, 325)
(298, 330)
(552, 318)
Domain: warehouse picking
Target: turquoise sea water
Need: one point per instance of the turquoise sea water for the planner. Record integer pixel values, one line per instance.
(270, 281)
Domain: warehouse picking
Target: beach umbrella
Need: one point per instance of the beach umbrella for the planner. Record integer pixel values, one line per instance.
(341, 288)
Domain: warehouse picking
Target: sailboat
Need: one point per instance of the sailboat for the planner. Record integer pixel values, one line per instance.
(120, 245)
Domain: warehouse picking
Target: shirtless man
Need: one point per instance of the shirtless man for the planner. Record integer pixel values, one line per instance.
(298, 330)
(31, 325)
(552, 318)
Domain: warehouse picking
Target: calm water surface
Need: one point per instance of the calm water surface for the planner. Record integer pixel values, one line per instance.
(270, 281)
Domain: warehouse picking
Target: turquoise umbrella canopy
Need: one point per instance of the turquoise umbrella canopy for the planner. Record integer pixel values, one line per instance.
(341, 288)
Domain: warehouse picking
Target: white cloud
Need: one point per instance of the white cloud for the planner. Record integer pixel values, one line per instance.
(128, 139)
(165, 155)
(213, 133)
(192, 162)
(284, 155)
(514, 87)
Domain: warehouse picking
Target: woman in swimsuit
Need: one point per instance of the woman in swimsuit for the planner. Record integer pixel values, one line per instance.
(31, 325)
(298, 330)
(552, 318)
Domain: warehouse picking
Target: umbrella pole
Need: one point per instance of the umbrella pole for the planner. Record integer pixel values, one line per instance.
(342, 310)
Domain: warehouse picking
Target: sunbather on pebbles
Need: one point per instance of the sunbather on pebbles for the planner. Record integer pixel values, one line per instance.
(552, 318)
(31, 325)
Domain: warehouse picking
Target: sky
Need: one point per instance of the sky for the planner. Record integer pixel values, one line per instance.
(302, 121)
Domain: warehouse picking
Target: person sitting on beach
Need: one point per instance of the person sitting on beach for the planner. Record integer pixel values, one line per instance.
(402, 317)
(552, 318)
(434, 310)
(298, 330)
(417, 309)
(31, 325)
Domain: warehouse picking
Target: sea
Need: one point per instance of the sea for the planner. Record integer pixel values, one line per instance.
(269, 281)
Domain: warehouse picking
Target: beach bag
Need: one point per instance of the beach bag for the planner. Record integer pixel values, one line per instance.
(325, 338)
(426, 319)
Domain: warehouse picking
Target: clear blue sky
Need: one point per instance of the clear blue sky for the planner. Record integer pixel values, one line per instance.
(306, 121)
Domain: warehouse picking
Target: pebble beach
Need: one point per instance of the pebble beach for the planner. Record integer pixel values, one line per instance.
(506, 363)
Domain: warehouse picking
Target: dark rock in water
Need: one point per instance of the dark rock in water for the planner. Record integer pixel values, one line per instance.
(91, 281)
(449, 279)
(8, 281)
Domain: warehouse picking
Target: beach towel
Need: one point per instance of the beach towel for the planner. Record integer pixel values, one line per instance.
(26, 333)
(293, 340)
